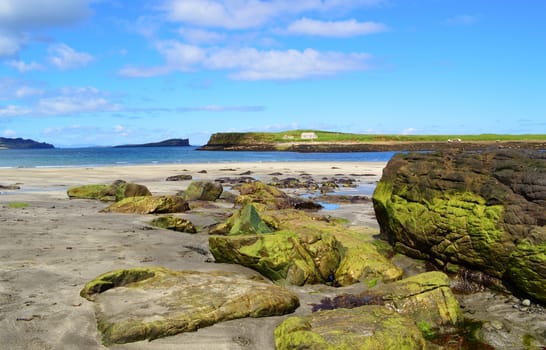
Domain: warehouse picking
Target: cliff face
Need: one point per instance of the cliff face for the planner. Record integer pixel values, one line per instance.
(20, 143)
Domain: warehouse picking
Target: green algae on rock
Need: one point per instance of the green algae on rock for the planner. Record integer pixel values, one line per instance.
(149, 205)
(298, 248)
(202, 191)
(364, 328)
(116, 191)
(174, 223)
(150, 303)
(472, 209)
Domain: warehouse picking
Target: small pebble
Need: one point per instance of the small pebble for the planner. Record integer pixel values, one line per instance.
(526, 302)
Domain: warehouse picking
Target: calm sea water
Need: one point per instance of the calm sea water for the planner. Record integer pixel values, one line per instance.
(105, 156)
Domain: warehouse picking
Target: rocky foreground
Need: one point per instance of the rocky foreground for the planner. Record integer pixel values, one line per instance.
(239, 257)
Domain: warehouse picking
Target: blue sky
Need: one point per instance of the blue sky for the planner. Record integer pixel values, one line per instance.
(108, 72)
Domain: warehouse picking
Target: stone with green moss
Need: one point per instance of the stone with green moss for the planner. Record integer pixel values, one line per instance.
(116, 191)
(203, 191)
(150, 303)
(303, 248)
(174, 223)
(367, 327)
(527, 268)
(469, 209)
(149, 205)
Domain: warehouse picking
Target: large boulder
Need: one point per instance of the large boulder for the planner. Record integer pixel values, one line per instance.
(295, 247)
(149, 205)
(397, 315)
(150, 303)
(116, 191)
(481, 210)
(271, 197)
(202, 191)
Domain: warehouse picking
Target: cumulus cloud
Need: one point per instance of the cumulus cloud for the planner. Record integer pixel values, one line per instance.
(347, 28)
(67, 101)
(19, 18)
(24, 67)
(200, 36)
(244, 14)
(64, 57)
(253, 64)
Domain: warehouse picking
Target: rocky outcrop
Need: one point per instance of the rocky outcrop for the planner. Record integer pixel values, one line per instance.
(150, 303)
(118, 190)
(481, 210)
(149, 205)
(174, 223)
(19, 143)
(202, 191)
(271, 197)
(292, 246)
(181, 177)
(397, 315)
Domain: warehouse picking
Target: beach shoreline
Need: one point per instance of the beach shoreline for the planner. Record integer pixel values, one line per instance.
(52, 246)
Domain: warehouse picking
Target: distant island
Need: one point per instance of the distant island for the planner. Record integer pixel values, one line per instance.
(19, 143)
(325, 141)
(165, 143)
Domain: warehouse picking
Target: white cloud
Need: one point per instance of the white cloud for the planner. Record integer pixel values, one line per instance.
(19, 18)
(28, 14)
(244, 14)
(345, 28)
(9, 133)
(462, 20)
(253, 64)
(14, 111)
(27, 91)
(64, 57)
(68, 101)
(10, 44)
(24, 67)
(408, 131)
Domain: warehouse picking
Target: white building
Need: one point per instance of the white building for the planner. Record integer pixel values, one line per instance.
(308, 136)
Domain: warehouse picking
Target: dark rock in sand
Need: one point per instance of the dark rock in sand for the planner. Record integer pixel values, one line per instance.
(182, 177)
(482, 210)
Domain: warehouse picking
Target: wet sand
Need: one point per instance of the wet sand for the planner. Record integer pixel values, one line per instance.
(54, 245)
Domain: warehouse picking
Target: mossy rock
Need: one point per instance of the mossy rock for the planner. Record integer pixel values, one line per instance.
(472, 209)
(368, 327)
(304, 248)
(203, 191)
(527, 268)
(149, 205)
(118, 190)
(150, 303)
(174, 223)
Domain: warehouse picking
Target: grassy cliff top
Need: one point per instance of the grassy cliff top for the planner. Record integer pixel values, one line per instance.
(326, 136)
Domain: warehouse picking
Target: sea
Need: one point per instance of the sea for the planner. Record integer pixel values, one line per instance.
(112, 156)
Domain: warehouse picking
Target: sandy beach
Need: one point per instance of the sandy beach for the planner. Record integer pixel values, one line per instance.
(52, 246)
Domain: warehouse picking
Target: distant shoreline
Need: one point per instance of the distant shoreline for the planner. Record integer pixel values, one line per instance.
(379, 146)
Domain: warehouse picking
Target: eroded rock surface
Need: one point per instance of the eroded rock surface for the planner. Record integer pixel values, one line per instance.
(149, 205)
(482, 210)
(116, 191)
(150, 303)
(202, 191)
(298, 248)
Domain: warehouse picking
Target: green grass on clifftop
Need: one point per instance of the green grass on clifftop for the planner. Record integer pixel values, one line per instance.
(327, 136)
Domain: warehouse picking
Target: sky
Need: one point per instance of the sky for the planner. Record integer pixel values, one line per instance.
(108, 72)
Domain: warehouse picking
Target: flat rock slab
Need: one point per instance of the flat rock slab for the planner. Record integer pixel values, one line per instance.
(150, 303)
